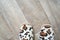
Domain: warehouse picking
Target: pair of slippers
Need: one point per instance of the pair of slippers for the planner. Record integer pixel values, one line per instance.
(26, 32)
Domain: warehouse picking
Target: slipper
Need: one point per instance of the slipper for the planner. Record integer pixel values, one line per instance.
(26, 32)
(46, 32)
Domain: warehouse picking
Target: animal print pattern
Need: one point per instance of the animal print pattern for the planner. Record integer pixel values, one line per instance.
(46, 32)
(26, 32)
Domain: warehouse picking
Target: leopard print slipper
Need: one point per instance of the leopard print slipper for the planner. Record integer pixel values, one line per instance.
(46, 32)
(26, 32)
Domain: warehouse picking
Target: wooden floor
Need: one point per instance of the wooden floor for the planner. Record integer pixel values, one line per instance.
(14, 13)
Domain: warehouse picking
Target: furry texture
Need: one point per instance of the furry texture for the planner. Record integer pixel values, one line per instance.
(46, 32)
(26, 32)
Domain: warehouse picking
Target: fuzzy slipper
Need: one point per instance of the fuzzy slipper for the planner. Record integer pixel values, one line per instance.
(26, 32)
(46, 32)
